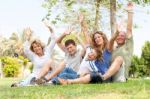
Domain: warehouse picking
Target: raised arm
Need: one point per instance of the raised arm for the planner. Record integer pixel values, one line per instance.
(82, 44)
(26, 46)
(59, 40)
(27, 32)
(46, 23)
(130, 19)
(53, 39)
(112, 40)
(84, 30)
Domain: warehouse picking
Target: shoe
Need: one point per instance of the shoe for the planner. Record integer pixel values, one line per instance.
(41, 81)
(33, 81)
(15, 85)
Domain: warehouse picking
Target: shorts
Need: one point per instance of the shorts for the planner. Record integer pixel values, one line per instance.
(95, 77)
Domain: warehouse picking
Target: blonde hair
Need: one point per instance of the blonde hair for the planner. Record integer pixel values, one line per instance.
(36, 41)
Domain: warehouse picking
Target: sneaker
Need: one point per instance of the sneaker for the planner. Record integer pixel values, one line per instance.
(33, 81)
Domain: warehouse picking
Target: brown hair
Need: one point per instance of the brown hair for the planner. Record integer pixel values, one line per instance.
(99, 53)
(104, 38)
(70, 41)
(36, 41)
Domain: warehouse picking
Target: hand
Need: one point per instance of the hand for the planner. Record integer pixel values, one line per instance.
(118, 30)
(27, 33)
(119, 27)
(77, 34)
(68, 31)
(129, 6)
(81, 18)
(46, 23)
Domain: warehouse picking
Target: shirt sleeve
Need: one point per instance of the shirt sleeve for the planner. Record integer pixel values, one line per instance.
(51, 45)
(129, 45)
(27, 50)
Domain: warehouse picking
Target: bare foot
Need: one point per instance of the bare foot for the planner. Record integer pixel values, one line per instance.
(63, 81)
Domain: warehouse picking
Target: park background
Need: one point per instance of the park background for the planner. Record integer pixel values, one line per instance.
(18, 14)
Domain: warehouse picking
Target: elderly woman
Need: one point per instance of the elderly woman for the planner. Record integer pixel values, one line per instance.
(38, 54)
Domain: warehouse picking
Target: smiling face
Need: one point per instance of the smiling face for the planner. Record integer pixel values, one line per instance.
(99, 40)
(37, 48)
(70, 46)
(92, 55)
(121, 38)
(71, 49)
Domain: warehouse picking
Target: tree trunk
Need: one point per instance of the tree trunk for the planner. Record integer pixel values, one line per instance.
(97, 16)
(113, 16)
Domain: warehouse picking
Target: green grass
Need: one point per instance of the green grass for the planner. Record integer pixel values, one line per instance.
(133, 89)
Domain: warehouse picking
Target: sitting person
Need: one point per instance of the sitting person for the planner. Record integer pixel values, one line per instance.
(121, 57)
(69, 65)
(37, 53)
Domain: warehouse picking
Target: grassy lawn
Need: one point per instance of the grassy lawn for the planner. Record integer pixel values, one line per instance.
(133, 89)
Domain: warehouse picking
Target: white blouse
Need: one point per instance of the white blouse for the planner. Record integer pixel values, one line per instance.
(38, 62)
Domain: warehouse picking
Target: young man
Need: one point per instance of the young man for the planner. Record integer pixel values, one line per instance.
(69, 65)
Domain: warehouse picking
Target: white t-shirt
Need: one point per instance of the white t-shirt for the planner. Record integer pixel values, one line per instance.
(85, 67)
(73, 61)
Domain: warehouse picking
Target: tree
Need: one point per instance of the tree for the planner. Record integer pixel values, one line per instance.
(146, 55)
(12, 45)
(68, 11)
(141, 66)
(137, 68)
(141, 1)
(97, 15)
(112, 16)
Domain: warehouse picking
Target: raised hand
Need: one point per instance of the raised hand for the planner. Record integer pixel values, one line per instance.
(81, 18)
(129, 6)
(27, 33)
(46, 23)
(117, 32)
(68, 31)
(119, 27)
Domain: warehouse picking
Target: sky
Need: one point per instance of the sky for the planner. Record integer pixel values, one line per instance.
(15, 15)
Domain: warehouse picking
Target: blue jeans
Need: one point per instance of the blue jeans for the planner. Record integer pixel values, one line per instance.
(67, 73)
